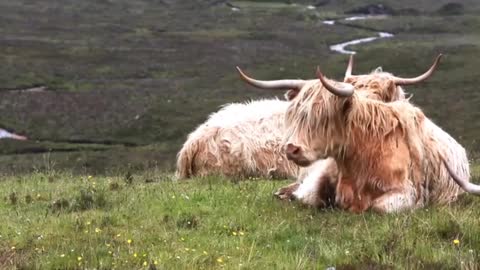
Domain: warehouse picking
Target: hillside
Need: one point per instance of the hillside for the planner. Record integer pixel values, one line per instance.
(126, 81)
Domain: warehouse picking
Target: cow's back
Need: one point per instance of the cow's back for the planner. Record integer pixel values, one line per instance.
(240, 140)
(443, 188)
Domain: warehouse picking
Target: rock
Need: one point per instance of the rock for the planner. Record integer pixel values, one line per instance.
(320, 3)
(451, 9)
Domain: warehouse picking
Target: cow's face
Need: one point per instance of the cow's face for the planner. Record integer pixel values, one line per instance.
(310, 123)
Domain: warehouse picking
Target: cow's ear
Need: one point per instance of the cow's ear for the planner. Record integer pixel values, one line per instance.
(291, 94)
(346, 106)
(392, 89)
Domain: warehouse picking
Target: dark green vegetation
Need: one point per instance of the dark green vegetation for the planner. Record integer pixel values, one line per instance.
(127, 80)
(60, 221)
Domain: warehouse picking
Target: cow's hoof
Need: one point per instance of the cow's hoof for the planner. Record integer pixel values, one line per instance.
(286, 193)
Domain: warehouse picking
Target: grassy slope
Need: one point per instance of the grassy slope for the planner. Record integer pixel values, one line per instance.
(148, 72)
(56, 220)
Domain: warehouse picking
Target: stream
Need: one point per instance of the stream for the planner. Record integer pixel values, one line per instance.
(341, 47)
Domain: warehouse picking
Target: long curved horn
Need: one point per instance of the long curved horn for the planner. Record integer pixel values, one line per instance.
(348, 72)
(345, 90)
(463, 183)
(277, 84)
(424, 76)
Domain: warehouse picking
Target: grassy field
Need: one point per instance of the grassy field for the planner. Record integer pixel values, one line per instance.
(64, 221)
(128, 80)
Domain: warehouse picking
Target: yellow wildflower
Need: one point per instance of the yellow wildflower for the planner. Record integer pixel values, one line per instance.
(204, 252)
(241, 233)
(90, 177)
(144, 263)
(155, 262)
(187, 249)
(234, 233)
(13, 248)
(456, 242)
(220, 260)
(79, 258)
(88, 223)
(97, 230)
(62, 255)
(135, 255)
(129, 241)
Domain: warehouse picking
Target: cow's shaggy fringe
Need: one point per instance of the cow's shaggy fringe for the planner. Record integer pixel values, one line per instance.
(379, 85)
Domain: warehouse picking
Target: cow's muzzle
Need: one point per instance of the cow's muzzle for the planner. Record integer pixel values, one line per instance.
(296, 154)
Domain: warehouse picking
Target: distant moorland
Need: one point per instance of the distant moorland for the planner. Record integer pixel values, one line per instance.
(126, 81)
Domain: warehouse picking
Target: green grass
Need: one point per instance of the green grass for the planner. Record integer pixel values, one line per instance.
(60, 221)
(129, 81)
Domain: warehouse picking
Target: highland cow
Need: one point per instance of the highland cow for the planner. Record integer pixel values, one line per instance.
(389, 155)
(241, 140)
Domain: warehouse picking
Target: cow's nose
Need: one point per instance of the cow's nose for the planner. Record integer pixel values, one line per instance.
(292, 151)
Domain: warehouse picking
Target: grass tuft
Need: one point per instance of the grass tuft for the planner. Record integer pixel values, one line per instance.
(89, 198)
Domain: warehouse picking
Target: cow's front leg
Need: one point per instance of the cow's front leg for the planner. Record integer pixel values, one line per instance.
(348, 196)
(316, 191)
(285, 193)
